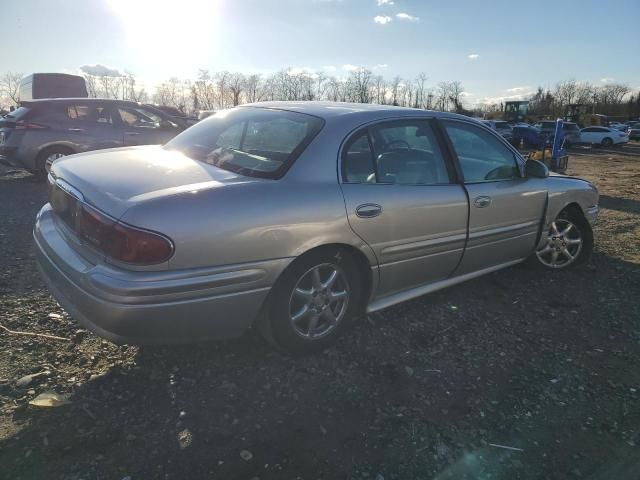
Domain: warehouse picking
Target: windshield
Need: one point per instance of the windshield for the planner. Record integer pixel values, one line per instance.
(256, 142)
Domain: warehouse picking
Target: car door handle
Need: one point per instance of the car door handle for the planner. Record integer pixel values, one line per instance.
(368, 210)
(76, 130)
(482, 201)
(132, 134)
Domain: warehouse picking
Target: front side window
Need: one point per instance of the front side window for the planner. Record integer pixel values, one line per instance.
(482, 156)
(251, 141)
(138, 117)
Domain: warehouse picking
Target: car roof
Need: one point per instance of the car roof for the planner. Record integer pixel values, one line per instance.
(328, 110)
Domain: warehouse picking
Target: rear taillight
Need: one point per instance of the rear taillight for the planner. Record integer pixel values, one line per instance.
(120, 241)
(22, 125)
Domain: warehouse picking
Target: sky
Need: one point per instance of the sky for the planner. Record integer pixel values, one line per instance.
(497, 49)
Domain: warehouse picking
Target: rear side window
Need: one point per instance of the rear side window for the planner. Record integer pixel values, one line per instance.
(482, 156)
(404, 153)
(88, 113)
(251, 141)
(357, 160)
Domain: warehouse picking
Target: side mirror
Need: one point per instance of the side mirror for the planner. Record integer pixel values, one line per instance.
(535, 169)
(166, 124)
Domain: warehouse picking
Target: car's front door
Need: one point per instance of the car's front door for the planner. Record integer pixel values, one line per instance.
(401, 200)
(146, 127)
(506, 210)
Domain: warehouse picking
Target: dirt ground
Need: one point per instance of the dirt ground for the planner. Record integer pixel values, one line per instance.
(546, 364)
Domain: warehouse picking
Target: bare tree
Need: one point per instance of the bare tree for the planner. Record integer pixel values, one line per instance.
(455, 94)
(442, 96)
(237, 83)
(395, 90)
(360, 79)
(10, 86)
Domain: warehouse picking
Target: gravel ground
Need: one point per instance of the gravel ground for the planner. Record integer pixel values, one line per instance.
(546, 364)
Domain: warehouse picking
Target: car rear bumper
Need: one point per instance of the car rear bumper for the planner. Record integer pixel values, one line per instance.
(146, 307)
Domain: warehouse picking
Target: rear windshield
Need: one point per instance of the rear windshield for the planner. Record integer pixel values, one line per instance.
(256, 142)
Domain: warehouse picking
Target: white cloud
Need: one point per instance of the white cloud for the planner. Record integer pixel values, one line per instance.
(406, 16)
(607, 80)
(380, 66)
(473, 56)
(466, 94)
(518, 89)
(99, 70)
(382, 19)
(505, 98)
(385, 2)
(329, 68)
(350, 68)
(299, 70)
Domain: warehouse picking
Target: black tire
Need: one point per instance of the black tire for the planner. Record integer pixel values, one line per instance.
(607, 142)
(583, 227)
(41, 171)
(276, 325)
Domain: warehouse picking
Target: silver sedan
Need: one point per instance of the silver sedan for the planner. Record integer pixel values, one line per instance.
(296, 217)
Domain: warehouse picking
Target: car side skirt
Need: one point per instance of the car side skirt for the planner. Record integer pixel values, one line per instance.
(405, 295)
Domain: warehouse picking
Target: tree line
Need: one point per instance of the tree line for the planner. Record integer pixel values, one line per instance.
(223, 89)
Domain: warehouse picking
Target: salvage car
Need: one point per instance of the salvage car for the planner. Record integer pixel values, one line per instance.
(295, 218)
(41, 131)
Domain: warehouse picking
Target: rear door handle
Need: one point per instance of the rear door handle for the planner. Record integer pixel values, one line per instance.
(482, 201)
(76, 130)
(368, 210)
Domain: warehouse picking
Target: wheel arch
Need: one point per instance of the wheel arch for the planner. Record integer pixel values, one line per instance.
(51, 146)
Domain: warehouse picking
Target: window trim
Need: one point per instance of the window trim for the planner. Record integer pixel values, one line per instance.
(430, 120)
(517, 157)
(115, 119)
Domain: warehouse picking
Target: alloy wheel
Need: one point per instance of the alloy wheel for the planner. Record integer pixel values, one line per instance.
(319, 301)
(563, 245)
(48, 161)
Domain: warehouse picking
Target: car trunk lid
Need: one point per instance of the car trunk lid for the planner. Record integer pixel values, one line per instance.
(114, 180)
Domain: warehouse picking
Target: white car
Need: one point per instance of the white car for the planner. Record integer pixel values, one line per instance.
(605, 136)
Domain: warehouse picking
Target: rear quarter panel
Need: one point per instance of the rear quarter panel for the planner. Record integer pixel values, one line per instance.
(248, 222)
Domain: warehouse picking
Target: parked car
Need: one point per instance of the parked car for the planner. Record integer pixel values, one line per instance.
(570, 131)
(296, 217)
(176, 115)
(39, 132)
(503, 128)
(202, 114)
(530, 137)
(634, 133)
(605, 136)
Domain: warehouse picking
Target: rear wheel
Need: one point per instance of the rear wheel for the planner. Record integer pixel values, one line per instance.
(569, 242)
(46, 158)
(313, 302)
(607, 142)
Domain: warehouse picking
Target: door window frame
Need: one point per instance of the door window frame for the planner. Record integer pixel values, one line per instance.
(517, 157)
(452, 171)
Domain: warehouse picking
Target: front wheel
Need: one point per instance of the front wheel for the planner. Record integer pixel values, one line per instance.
(313, 302)
(569, 242)
(607, 142)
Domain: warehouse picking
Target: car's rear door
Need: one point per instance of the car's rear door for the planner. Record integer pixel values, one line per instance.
(506, 209)
(90, 125)
(402, 200)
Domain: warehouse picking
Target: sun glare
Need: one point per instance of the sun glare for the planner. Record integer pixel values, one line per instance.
(181, 34)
